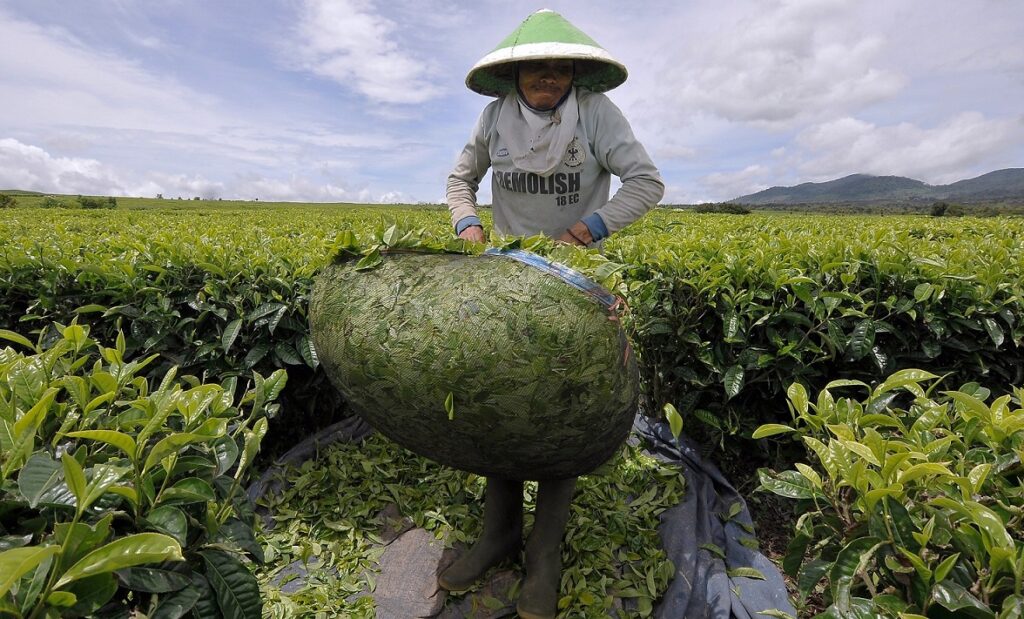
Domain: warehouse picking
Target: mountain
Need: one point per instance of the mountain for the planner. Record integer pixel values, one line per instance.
(1001, 184)
(1007, 183)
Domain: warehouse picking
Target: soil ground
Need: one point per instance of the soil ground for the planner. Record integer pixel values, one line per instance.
(774, 516)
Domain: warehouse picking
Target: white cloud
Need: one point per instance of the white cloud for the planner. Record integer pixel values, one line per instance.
(960, 147)
(50, 77)
(30, 168)
(174, 185)
(936, 155)
(298, 189)
(727, 185)
(728, 97)
(780, 62)
(149, 42)
(351, 43)
(683, 194)
(669, 147)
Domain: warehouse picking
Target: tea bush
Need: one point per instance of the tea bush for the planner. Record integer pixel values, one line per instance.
(209, 296)
(121, 495)
(912, 502)
(727, 310)
(91, 202)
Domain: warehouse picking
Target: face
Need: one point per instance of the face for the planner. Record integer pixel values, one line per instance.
(544, 82)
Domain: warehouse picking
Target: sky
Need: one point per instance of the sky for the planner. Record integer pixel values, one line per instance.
(364, 100)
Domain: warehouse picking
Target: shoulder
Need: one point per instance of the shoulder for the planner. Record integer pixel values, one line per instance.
(595, 104)
(490, 114)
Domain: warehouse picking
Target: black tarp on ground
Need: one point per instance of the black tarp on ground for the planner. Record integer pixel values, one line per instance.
(701, 588)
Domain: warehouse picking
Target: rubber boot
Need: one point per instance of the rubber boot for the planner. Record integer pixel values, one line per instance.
(502, 536)
(538, 598)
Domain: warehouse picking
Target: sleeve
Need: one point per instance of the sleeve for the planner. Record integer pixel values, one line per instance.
(618, 150)
(465, 222)
(465, 178)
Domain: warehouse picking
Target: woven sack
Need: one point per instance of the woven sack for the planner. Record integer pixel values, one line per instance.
(502, 364)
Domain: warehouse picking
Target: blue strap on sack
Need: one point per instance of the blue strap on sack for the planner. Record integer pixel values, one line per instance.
(570, 276)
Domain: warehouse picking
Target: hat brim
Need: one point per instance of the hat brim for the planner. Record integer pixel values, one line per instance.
(596, 69)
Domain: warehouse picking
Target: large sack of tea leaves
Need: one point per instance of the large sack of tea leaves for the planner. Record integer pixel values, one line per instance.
(484, 363)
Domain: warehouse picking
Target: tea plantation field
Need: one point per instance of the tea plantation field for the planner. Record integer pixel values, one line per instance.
(152, 349)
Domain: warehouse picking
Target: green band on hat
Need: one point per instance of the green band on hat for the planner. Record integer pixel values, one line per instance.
(546, 35)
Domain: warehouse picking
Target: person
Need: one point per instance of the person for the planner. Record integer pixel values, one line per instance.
(552, 142)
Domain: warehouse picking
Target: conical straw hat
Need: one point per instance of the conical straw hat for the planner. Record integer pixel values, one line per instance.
(546, 35)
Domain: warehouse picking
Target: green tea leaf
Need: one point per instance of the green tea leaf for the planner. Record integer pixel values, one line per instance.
(809, 473)
(811, 574)
(253, 439)
(790, 484)
(946, 567)
(177, 604)
(241, 535)
(449, 406)
(970, 406)
(733, 381)
(745, 572)
(274, 384)
(11, 336)
(255, 354)
(369, 261)
(862, 339)
(170, 520)
(238, 594)
(75, 478)
(675, 420)
(17, 562)
(995, 332)
(954, 597)
(123, 552)
(795, 551)
(797, 395)
(188, 490)
(990, 522)
(846, 382)
(38, 476)
(225, 450)
(908, 378)
(90, 309)
(155, 579)
(861, 450)
(91, 593)
(171, 445)
(308, 352)
(103, 477)
(771, 429)
(922, 292)
(120, 440)
(231, 334)
(923, 469)
(80, 539)
(715, 550)
(61, 599)
(853, 558)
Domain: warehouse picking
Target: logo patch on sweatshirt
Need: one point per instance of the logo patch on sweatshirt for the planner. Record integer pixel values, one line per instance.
(502, 152)
(574, 154)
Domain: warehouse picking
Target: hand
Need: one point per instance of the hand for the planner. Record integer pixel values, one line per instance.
(577, 234)
(473, 233)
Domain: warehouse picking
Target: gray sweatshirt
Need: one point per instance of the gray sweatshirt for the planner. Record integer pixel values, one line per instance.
(526, 203)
